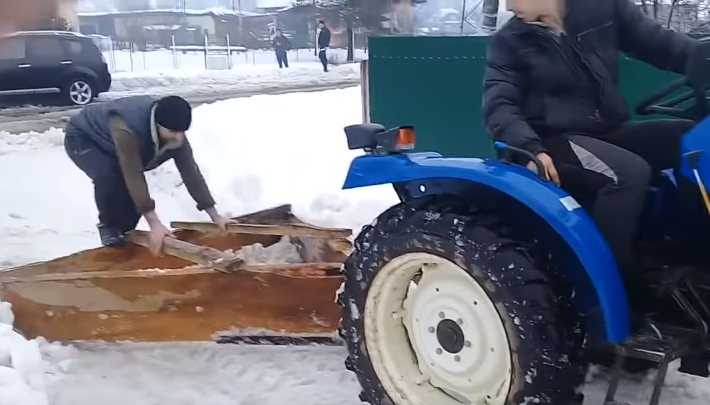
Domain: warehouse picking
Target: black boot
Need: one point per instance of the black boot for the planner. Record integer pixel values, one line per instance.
(695, 365)
(111, 237)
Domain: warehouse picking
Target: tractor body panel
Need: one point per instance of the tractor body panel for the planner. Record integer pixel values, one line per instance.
(556, 208)
(698, 139)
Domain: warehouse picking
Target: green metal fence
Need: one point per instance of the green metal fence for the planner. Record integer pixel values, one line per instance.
(435, 83)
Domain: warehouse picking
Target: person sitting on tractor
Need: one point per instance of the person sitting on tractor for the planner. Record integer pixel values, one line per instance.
(550, 88)
(115, 142)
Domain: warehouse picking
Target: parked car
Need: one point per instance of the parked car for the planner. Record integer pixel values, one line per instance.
(52, 62)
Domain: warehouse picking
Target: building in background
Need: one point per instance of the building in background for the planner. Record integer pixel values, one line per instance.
(270, 4)
(67, 11)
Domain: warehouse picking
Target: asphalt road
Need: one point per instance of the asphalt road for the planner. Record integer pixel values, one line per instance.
(41, 118)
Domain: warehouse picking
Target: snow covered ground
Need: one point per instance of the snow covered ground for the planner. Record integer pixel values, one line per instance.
(162, 71)
(159, 60)
(243, 78)
(255, 152)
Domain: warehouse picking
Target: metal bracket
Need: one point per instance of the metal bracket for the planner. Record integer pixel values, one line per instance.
(654, 346)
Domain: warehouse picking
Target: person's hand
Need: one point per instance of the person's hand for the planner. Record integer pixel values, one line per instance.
(222, 222)
(218, 219)
(547, 165)
(158, 233)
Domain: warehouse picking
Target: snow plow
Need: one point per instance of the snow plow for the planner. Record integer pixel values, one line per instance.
(270, 278)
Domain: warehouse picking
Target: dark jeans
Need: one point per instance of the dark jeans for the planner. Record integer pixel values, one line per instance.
(116, 208)
(282, 58)
(610, 175)
(323, 59)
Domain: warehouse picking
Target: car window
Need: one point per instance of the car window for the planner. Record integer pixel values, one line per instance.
(45, 48)
(12, 48)
(75, 48)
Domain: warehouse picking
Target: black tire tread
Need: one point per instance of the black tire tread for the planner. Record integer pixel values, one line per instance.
(551, 333)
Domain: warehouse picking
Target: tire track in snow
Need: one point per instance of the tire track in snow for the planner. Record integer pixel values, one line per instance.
(40, 119)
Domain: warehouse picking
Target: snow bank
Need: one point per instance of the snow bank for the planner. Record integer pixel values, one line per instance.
(242, 78)
(164, 60)
(11, 143)
(21, 367)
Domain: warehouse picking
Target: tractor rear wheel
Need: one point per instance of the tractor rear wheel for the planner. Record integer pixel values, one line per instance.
(440, 309)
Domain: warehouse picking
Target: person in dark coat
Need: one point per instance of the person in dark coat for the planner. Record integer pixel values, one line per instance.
(115, 142)
(281, 46)
(550, 88)
(323, 44)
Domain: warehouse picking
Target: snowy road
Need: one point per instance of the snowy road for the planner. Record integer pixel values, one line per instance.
(197, 87)
(251, 161)
(40, 119)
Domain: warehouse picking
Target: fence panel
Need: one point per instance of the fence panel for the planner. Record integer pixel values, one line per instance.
(214, 53)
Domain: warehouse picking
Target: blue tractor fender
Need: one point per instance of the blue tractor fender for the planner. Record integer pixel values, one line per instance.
(559, 210)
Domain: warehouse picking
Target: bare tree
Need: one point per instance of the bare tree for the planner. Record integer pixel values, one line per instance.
(689, 16)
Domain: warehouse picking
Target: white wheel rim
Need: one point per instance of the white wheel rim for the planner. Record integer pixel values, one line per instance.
(80, 92)
(402, 319)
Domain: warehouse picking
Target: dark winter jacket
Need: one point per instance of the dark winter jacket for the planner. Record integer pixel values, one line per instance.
(125, 129)
(136, 112)
(538, 83)
(324, 38)
(281, 43)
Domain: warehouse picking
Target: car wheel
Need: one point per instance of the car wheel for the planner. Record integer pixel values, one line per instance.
(79, 92)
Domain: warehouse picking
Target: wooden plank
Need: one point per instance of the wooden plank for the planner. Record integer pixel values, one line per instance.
(278, 214)
(292, 230)
(298, 270)
(203, 255)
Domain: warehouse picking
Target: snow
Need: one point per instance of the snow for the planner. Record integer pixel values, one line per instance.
(164, 73)
(161, 60)
(21, 367)
(246, 78)
(255, 153)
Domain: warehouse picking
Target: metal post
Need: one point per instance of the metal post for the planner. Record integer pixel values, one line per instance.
(489, 22)
(130, 52)
(112, 54)
(241, 22)
(175, 62)
(463, 16)
(206, 51)
(229, 54)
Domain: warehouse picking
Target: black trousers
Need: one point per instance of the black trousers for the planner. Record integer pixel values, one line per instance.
(610, 175)
(323, 59)
(282, 58)
(113, 201)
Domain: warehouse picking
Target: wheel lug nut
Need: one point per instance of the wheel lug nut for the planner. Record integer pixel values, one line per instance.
(438, 351)
(467, 343)
(431, 329)
(457, 358)
(459, 321)
(442, 315)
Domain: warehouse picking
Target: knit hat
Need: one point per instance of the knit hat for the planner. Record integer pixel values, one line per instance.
(173, 113)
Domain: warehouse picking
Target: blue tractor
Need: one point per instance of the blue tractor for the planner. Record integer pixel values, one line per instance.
(487, 284)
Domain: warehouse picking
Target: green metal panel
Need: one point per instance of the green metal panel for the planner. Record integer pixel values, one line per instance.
(435, 83)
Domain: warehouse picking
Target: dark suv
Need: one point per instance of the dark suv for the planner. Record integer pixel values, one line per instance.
(46, 62)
